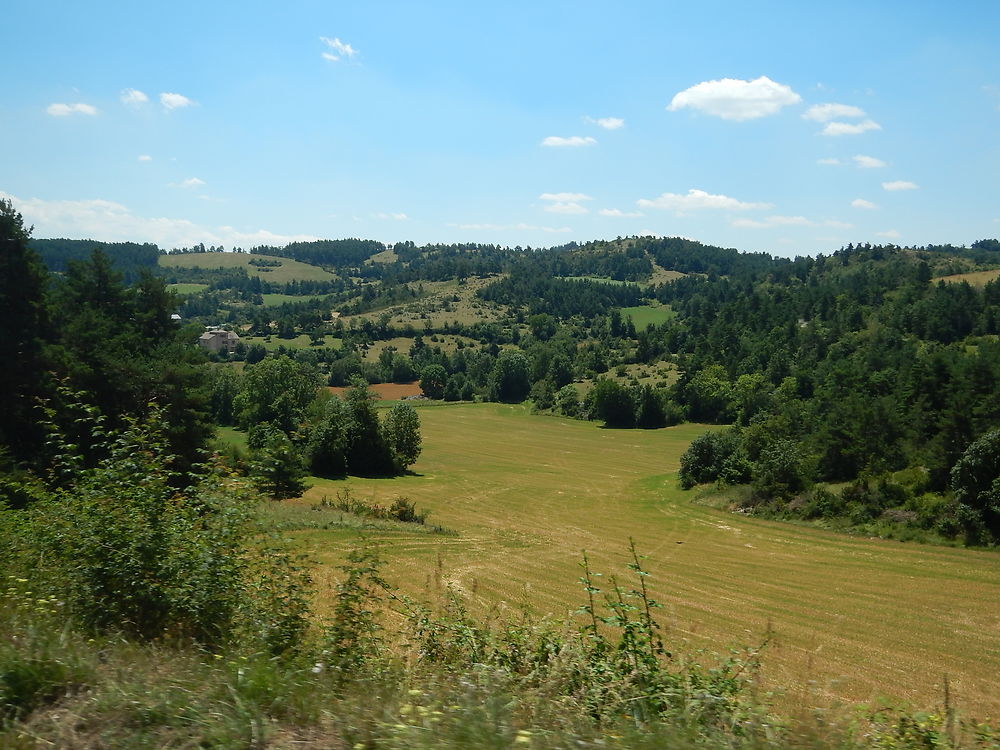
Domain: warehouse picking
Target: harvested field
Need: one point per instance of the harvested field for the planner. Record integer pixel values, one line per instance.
(385, 391)
(852, 618)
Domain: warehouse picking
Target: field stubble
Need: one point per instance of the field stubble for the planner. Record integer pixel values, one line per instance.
(852, 618)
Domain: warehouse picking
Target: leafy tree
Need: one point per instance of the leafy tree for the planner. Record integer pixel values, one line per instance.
(510, 380)
(975, 479)
(560, 371)
(277, 468)
(402, 433)
(613, 403)
(225, 384)
(327, 442)
(368, 453)
(568, 401)
(433, 379)
(277, 390)
(650, 413)
(711, 456)
(23, 329)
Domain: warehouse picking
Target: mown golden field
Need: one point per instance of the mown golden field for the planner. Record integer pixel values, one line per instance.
(851, 618)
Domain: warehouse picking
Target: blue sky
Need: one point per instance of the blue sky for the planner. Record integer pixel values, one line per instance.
(788, 127)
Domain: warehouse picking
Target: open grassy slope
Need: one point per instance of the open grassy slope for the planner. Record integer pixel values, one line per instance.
(289, 270)
(974, 278)
(852, 618)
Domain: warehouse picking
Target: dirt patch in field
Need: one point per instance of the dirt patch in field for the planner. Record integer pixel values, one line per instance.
(386, 391)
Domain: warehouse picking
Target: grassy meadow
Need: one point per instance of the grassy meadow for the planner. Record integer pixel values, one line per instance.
(648, 315)
(289, 270)
(851, 618)
(974, 278)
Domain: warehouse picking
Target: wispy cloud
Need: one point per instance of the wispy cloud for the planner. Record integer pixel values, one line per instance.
(133, 97)
(565, 203)
(771, 222)
(827, 112)
(696, 200)
(398, 216)
(850, 128)
(565, 208)
(145, 157)
(608, 123)
(868, 162)
(190, 182)
(174, 101)
(575, 197)
(64, 110)
(572, 141)
(734, 99)
(897, 185)
(619, 214)
(337, 50)
(862, 203)
(891, 234)
(109, 221)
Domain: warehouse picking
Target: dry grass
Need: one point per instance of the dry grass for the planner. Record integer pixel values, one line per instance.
(385, 391)
(289, 270)
(439, 306)
(853, 618)
(974, 278)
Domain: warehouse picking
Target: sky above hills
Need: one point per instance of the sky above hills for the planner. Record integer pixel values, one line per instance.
(792, 128)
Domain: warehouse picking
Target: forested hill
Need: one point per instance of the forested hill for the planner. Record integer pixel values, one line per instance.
(129, 258)
(858, 386)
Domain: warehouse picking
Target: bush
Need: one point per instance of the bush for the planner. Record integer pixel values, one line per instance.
(125, 552)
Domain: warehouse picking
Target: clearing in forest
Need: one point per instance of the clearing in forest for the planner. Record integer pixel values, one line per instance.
(852, 618)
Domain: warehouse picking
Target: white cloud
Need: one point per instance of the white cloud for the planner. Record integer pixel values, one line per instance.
(109, 221)
(618, 213)
(564, 197)
(145, 157)
(827, 112)
(848, 128)
(572, 141)
(509, 227)
(190, 182)
(174, 101)
(565, 203)
(561, 207)
(608, 123)
(696, 200)
(828, 162)
(868, 162)
(393, 216)
(338, 49)
(896, 185)
(733, 99)
(64, 110)
(770, 222)
(892, 234)
(862, 203)
(133, 97)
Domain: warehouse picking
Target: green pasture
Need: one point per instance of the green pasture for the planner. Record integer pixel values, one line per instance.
(850, 618)
(647, 315)
(302, 341)
(289, 270)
